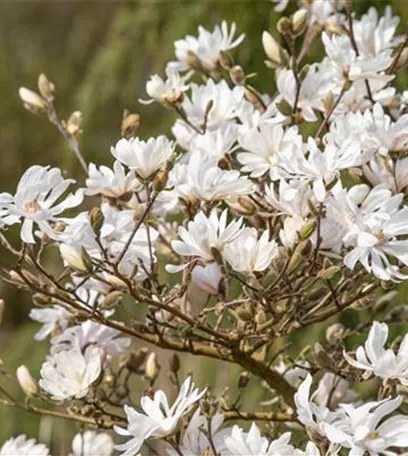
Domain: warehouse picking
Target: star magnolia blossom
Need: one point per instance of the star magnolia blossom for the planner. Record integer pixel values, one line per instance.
(70, 374)
(52, 318)
(89, 334)
(206, 47)
(111, 183)
(371, 222)
(383, 363)
(168, 91)
(90, 443)
(21, 446)
(158, 419)
(145, 157)
(360, 429)
(240, 443)
(204, 234)
(35, 201)
(248, 254)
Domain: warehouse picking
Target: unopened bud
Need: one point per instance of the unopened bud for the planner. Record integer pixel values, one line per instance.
(46, 88)
(74, 258)
(152, 368)
(328, 273)
(160, 181)
(243, 380)
(304, 72)
(402, 59)
(74, 123)
(96, 219)
(323, 359)
(26, 381)
(283, 26)
(226, 60)
(308, 229)
(111, 299)
(137, 359)
(32, 101)
(299, 21)
(284, 107)
(272, 48)
(237, 75)
(328, 101)
(335, 333)
(194, 61)
(130, 124)
(175, 363)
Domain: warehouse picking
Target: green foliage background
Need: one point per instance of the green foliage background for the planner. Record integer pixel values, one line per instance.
(100, 55)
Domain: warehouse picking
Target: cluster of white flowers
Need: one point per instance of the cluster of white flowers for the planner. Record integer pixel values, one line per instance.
(260, 227)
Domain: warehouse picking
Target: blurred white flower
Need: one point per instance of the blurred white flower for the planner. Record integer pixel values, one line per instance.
(111, 183)
(88, 334)
(21, 446)
(248, 254)
(53, 318)
(91, 443)
(383, 363)
(207, 277)
(359, 429)
(206, 47)
(69, 374)
(167, 91)
(145, 157)
(159, 418)
(241, 443)
(35, 201)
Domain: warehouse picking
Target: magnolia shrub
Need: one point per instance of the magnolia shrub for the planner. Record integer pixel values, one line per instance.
(270, 213)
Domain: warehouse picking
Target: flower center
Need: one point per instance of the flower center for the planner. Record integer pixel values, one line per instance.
(32, 207)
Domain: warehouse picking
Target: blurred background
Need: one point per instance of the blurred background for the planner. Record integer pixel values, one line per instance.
(100, 55)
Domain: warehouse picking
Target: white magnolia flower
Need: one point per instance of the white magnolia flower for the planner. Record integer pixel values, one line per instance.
(168, 91)
(207, 277)
(346, 64)
(387, 171)
(321, 168)
(91, 443)
(362, 429)
(21, 446)
(217, 142)
(311, 415)
(35, 201)
(70, 374)
(145, 157)
(383, 363)
(374, 34)
(312, 91)
(159, 419)
(333, 390)
(111, 183)
(195, 442)
(241, 443)
(206, 47)
(52, 318)
(206, 181)
(262, 145)
(89, 334)
(371, 222)
(248, 254)
(224, 102)
(203, 234)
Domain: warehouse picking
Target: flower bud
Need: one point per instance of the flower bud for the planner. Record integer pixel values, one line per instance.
(74, 258)
(243, 380)
(26, 381)
(130, 124)
(323, 360)
(283, 26)
(284, 107)
(175, 363)
(226, 60)
(335, 333)
(96, 219)
(299, 21)
(328, 273)
(160, 181)
(152, 368)
(32, 101)
(137, 359)
(74, 123)
(308, 229)
(237, 75)
(46, 88)
(194, 61)
(402, 59)
(272, 48)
